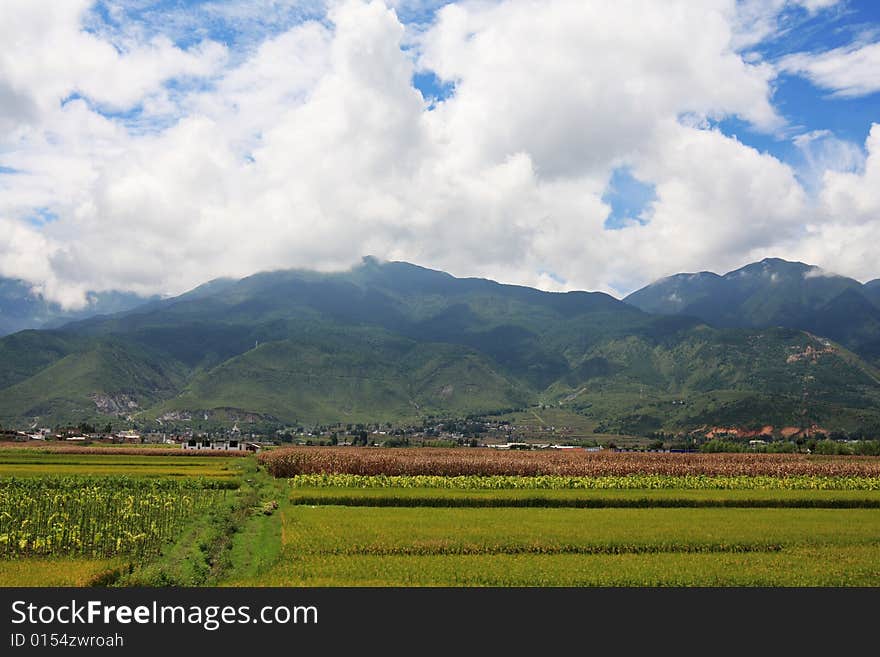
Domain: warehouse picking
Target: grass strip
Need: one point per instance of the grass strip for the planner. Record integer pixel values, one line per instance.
(845, 566)
(216, 545)
(586, 503)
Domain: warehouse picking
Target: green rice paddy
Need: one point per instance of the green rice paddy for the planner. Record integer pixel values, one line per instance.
(341, 530)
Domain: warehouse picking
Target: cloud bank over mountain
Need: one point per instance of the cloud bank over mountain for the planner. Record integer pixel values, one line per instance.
(149, 147)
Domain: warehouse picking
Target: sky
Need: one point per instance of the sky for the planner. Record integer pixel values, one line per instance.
(152, 145)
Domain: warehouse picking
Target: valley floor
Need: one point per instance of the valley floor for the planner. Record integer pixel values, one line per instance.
(252, 529)
(331, 545)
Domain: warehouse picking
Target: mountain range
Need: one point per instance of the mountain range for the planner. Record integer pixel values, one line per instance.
(394, 342)
(774, 292)
(22, 308)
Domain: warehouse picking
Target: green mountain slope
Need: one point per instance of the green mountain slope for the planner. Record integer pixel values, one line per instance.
(673, 294)
(25, 353)
(103, 378)
(871, 290)
(394, 342)
(354, 376)
(505, 322)
(771, 293)
(780, 377)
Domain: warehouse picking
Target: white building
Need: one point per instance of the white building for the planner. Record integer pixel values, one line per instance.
(214, 445)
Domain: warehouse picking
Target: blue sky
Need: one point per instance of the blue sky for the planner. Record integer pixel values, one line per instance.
(187, 22)
(591, 146)
(805, 106)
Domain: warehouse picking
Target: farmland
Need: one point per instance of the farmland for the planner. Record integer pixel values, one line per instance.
(433, 517)
(602, 482)
(573, 463)
(586, 498)
(334, 546)
(795, 567)
(55, 571)
(97, 516)
(86, 516)
(311, 516)
(135, 463)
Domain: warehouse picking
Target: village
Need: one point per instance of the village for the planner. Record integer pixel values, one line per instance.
(475, 432)
(450, 433)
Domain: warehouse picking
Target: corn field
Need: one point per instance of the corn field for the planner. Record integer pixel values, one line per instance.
(569, 463)
(97, 517)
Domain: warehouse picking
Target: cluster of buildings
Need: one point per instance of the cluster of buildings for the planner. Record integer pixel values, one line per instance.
(46, 434)
(233, 442)
(222, 445)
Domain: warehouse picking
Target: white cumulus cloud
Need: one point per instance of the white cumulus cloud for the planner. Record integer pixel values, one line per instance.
(311, 147)
(844, 231)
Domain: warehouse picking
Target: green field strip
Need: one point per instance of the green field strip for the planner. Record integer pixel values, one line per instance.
(432, 550)
(596, 503)
(28, 464)
(176, 458)
(346, 546)
(847, 566)
(57, 571)
(338, 529)
(587, 499)
(169, 471)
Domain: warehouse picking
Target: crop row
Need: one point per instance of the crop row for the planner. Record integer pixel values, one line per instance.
(605, 482)
(89, 517)
(114, 482)
(570, 463)
(116, 451)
